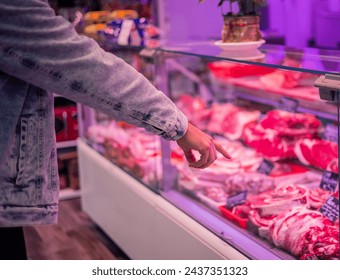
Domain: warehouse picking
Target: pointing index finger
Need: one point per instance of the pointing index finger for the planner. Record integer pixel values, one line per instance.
(221, 150)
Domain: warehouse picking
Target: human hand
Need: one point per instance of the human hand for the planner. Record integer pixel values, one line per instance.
(195, 139)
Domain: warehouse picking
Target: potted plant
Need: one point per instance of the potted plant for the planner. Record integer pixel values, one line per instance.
(243, 25)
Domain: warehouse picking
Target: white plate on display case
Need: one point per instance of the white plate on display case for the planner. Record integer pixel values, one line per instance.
(244, 55)
(240, 47)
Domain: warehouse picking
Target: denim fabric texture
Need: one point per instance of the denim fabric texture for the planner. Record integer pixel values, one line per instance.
(41, 53)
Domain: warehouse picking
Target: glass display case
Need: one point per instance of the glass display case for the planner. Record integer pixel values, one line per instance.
(278, 195)
(276, 112)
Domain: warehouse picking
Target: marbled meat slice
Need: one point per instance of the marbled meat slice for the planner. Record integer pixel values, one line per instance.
(318, 153)
(291, 124)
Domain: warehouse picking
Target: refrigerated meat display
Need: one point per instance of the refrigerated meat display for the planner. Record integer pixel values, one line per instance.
(277, 197)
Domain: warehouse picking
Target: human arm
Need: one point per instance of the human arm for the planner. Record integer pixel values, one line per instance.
(44, 49)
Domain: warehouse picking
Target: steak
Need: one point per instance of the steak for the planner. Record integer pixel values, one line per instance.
(317, 197)
(290, 124)
(321, 243)
(261, 223)
(319, 153)
(268, 143)
(280, 199)
(220, 114)
(230, 120)
(215, 193)
(290, 229)
(276, 134)
(233, 127)
(254, 183)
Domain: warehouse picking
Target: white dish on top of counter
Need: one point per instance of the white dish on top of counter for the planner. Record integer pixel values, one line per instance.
(242, 46)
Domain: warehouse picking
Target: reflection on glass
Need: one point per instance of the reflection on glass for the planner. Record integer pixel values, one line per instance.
(314, 60)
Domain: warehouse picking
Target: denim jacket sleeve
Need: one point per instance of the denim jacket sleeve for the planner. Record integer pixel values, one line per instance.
(44, 49)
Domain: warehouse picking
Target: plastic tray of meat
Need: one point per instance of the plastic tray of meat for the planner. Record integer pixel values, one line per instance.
(240, 219)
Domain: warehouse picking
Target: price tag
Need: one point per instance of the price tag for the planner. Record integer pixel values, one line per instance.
(265, 167)
(236, 199)
(331, 133)
(329, 181)
(288, 104)
(331, 208)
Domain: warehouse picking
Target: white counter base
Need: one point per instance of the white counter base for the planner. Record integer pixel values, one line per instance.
(143, 224)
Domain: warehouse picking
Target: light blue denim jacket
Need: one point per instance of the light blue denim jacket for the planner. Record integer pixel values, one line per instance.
(42, 53)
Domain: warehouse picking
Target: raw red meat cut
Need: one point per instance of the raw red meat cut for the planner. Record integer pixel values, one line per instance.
(276, 134)
(248, 159)
(193, 107)
(290, 124)
(287, 79)
(254, 183)
(300, 226)
(189, 105)
(230, 120)
(333, 166)
(219, 114)
(318, 153)
(288, 222)
(224, 69)
(321, 243)
(280, 199)
(215, 193)
(261, 223)
(268, 143)
(306, 234)
(282, 222)
(317, 197)
(234, 126)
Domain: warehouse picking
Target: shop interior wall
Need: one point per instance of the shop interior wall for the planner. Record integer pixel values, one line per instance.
(300, 23)
(303, 23)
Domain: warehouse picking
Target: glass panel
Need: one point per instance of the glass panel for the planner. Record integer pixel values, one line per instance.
(306, 60)
(284, 145)
(130, 148)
